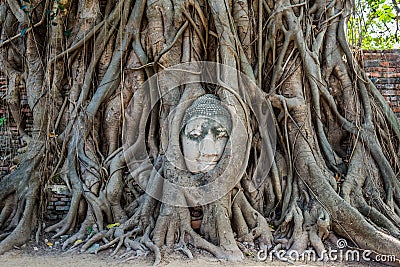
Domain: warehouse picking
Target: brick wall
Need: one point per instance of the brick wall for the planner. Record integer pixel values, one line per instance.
(9, 136)
(383, 67)
(58, 205)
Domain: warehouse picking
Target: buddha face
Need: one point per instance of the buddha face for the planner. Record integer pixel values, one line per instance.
(203, 142)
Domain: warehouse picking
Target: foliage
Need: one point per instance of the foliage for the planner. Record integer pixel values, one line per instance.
(3, 120)
(374, 24)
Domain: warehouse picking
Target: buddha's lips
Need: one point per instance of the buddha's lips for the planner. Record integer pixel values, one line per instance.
(207, 162)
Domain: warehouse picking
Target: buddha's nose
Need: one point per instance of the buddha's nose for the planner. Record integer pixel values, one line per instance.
(208, 147)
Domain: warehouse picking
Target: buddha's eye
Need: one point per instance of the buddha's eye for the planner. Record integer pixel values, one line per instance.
(222, 134)
(194, 135)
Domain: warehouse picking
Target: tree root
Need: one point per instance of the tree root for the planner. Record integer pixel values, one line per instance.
(21, 234)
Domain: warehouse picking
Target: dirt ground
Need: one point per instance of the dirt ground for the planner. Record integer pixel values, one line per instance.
(33, 255)
(22, 258)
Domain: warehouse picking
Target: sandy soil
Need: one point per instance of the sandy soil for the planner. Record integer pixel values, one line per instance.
(21, 259)
(33, 256)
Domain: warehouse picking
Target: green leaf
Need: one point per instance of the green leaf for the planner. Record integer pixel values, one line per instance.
(373, 25)
(90, 229)
(3, 121)
(112, 225)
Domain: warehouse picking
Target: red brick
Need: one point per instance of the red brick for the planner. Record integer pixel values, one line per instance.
(384, 64)
(390, 103)
(388, 92)
(375, 74)
(381, 70)
(58, 195)
(64, 208)
(396, 109)
(395, 64)
(393, 75)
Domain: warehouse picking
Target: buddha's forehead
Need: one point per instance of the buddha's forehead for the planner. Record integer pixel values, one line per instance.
(207, 106)
(201, 122)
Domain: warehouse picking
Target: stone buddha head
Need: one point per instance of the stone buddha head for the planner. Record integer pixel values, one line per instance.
(205, 131)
